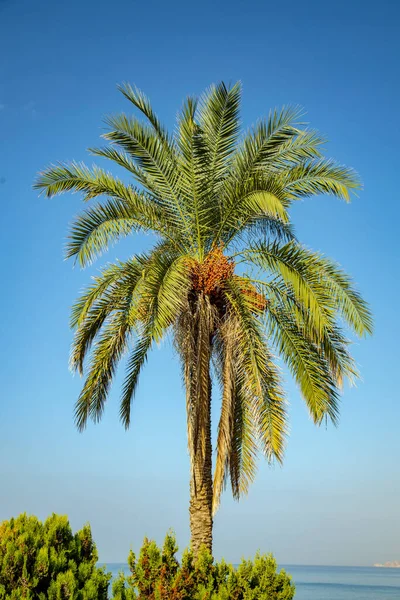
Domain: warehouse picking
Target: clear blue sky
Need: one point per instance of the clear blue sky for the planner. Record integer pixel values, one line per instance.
(336, 500)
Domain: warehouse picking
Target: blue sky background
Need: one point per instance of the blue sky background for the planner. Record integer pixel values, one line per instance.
(336, 499)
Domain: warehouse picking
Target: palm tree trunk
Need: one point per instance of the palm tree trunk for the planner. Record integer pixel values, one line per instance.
(201, 492)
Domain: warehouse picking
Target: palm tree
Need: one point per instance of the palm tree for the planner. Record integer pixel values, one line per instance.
(225, 275)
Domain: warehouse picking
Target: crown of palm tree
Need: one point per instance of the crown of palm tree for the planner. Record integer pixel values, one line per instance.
(226, 275)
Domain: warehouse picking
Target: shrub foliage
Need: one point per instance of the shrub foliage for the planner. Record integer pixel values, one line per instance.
(46, 561)
(41, 561)
(157, 575)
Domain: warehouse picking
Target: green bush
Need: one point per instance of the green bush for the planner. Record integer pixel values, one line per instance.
(41, 561)
(157, 575)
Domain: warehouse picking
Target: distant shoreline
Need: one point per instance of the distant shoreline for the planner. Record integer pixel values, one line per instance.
(394, 565)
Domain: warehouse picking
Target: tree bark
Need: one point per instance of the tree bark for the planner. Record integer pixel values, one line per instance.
(201, 493)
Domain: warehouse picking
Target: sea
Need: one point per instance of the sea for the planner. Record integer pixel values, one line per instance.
(332, 583)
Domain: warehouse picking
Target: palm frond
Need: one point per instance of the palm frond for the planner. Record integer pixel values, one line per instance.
(307, 364)
(77, 177)
(128, 271)
(150, 155)
(220, 124)
(122, 159)
(329, 343)
(193, 181)
(163, 292)
(135, 364)
(98, 227)
(142, 103)
(244, 444)
(324, 176)
(340, 287)
(316, 282)
(228, 335)
(236, 422)
(257, 201)
(107, 352)
(201, 403)
(193, 332)
(300, 145)
(297, 271)
(264, 142)
(259, 374)
(111, 292)
(166, 284)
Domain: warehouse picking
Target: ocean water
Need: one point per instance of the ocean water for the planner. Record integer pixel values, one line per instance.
(332, 583)
(345, 583)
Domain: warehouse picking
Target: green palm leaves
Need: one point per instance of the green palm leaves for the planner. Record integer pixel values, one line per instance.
(215, 200)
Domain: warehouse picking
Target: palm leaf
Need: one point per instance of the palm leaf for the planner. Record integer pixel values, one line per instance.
(107, 352)
(259, 374)
(308, 178)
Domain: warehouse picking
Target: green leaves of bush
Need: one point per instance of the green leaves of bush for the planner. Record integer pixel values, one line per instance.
(46, 561)
(157, 575)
